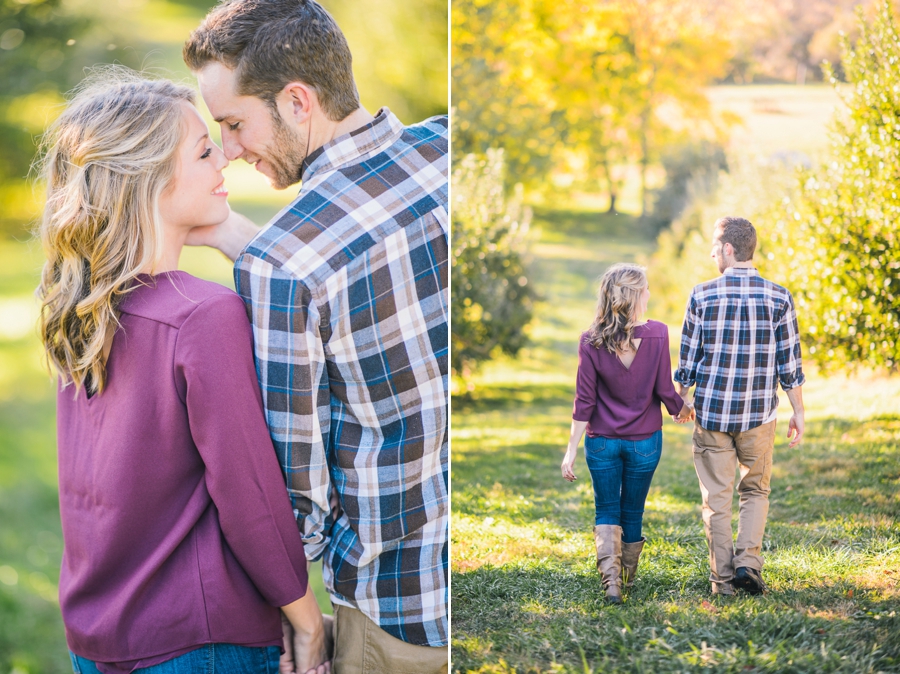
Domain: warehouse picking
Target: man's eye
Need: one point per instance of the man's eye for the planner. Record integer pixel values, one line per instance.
(233, 127)
(207, 153)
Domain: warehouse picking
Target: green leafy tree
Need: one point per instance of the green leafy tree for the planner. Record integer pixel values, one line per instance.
(839, 227)
(491, 299)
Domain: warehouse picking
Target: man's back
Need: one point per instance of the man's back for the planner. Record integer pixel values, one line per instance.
(347, 290)
(739, 340)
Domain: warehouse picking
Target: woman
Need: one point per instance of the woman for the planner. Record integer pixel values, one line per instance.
(179, 539)
(624, 372)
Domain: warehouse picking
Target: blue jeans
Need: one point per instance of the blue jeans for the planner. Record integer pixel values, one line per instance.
(621, 471)
(208, 659)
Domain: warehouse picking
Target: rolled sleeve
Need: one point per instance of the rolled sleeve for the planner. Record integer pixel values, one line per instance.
(213, 360)
(691, 350)
(585, 383)
(788, 356)
(293, 378)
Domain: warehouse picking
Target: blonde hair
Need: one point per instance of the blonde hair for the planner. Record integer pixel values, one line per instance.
(105, 162)
(618, 300)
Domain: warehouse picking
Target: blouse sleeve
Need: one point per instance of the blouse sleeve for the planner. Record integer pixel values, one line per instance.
(665, 388)
(585, 384)
(214, 361)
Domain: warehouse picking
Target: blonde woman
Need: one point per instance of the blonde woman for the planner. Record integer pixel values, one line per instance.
(179, 540)
(624, 373)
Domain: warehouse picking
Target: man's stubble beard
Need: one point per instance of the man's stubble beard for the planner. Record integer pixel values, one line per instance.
(285, 154)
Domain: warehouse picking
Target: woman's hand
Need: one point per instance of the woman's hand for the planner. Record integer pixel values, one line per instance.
(308, 638)
(568, 464)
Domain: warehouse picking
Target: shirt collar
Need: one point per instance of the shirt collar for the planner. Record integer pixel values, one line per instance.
(379, 133)
(742, 271)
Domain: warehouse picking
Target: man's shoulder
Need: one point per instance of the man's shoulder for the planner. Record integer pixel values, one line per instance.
(437, 127)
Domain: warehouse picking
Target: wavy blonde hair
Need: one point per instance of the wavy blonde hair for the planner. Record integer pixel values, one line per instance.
(105, 162)
(618, 300)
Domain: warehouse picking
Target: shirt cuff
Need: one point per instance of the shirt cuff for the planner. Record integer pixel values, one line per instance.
(683, 377)
(792, 380)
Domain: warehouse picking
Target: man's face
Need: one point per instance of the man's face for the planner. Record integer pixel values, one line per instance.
(251, 129)
(718, 250)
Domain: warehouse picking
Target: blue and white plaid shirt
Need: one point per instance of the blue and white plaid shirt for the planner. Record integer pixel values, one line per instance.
(738, 342)
(347, 293)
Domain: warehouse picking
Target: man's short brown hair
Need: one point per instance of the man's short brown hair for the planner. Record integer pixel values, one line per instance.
(269, 43)
(741, 234)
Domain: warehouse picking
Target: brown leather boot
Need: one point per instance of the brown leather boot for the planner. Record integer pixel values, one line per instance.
(631, 554)
(608, 541)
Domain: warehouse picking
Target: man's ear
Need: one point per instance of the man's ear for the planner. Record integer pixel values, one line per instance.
(297, 101)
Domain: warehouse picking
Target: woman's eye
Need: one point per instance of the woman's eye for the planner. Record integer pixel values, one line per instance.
(207, 153)
(234, 126)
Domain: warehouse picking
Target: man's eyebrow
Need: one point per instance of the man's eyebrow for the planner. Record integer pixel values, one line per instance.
(204, 136)
(222, 118)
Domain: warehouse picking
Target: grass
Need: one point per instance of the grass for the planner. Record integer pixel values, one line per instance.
(525, 594)
(32, 639)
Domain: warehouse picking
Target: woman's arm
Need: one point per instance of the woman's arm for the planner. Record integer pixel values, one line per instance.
(214, 362)
(307, 643)
(578, 428)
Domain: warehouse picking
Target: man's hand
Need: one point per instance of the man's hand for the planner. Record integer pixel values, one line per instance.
(795, 428)
(568, 464)
(795, 425)
(230, 236)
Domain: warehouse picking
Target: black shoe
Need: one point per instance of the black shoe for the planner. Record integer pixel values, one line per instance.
(749, 580)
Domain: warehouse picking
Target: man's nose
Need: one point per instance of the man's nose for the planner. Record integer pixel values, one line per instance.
(230, 146)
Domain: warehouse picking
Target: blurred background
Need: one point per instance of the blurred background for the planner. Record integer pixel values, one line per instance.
(400, 61)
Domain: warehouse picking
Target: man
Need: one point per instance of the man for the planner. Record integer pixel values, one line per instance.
(738, 342)
(347, 293)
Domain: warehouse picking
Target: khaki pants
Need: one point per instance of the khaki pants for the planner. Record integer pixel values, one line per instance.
(715, 457)
(362, 647)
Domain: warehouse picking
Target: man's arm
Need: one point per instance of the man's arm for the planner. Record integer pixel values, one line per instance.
(229, 237)
(290, 362)
(790, 368)
(691, 350)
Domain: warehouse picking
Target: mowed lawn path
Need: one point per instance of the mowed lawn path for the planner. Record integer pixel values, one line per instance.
(525, 594)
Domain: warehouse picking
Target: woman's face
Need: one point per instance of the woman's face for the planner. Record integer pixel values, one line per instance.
(197, 195)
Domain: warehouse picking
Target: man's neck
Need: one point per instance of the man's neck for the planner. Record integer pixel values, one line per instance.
(355, 120)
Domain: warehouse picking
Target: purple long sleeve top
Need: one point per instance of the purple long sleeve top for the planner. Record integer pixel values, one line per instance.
(620, 402)
(177, 527)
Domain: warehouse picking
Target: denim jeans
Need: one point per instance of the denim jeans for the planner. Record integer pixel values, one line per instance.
(208, 659)
(621, 471)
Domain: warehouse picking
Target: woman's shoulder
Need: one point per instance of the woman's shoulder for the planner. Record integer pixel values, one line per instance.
(654, 329)
(173, 297)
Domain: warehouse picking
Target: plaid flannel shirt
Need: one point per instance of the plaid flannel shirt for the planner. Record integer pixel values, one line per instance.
(347, 293)
(738, 342)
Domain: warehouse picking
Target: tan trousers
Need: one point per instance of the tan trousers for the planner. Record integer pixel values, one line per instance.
(362, 647)
(715, 457)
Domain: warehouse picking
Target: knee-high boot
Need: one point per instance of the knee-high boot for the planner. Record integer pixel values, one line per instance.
(631, 554)
(608, 541)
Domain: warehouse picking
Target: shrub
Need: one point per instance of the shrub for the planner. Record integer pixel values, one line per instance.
(491, 299)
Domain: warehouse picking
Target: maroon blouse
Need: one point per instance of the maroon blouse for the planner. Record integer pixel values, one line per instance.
(177, 527)
(620, 402)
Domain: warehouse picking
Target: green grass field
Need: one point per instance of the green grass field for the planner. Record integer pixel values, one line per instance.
(32, 640)
(525, 594)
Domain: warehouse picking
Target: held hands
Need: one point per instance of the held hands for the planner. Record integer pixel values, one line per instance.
(686, 414)
(308, 638)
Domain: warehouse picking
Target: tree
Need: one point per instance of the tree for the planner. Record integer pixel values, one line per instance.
(839, 226)
(491, 299)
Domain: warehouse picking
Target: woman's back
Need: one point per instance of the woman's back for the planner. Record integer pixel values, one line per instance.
(624, 402)
(172, 454)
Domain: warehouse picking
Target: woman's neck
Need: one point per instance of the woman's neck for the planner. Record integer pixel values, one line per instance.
(170, 253)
